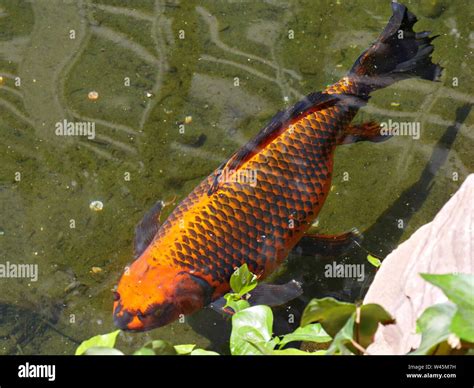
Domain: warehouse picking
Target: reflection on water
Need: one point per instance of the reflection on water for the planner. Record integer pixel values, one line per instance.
(173, 88)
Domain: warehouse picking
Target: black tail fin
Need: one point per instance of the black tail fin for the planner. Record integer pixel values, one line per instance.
(398, 53)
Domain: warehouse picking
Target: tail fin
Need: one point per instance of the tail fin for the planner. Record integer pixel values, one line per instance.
(398, 53)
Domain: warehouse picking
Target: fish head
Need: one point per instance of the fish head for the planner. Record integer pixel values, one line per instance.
(153, 296)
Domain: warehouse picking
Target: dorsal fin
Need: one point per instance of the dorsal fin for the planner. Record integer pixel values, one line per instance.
(276, 125)
(147, 228)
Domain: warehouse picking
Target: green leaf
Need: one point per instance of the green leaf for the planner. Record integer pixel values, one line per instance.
(184, 349)
(250, 341)
(144, 352)
(434, 326)
(243, 281)
(459, 288)
(102, 351)
(331, 313)
(291, 352)
(164, 348)
(319, 353)
(308, 333)
(370, 316)
(202, 352)
(104, 340)
(234, 303)
(374, 261)
(252, 331)
(343, 338)
(462, 325)
(160, 347)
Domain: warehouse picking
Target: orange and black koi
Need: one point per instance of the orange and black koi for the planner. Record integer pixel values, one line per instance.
(186, 263)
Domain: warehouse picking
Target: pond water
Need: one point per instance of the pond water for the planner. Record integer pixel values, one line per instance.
(221, 69)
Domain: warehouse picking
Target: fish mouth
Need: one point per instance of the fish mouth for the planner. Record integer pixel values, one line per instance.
(154, 316)
(122, 318)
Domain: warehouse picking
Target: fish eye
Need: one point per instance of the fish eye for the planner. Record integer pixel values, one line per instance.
(116, 296)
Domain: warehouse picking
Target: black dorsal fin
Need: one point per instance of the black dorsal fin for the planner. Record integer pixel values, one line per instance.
(276, 125)
(146, 229)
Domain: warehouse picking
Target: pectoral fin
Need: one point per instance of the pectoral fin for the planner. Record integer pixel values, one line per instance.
(265, 294)
(275, 294)
(146, 229)
(369, 131)
(328, 246)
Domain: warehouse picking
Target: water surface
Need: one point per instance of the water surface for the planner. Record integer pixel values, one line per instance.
(228, 66)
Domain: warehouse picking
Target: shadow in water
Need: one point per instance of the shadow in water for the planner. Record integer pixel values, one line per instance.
(21, 325)
(383, 236)
(384, 233)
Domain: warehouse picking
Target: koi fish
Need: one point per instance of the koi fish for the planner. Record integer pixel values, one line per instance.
(186, 263)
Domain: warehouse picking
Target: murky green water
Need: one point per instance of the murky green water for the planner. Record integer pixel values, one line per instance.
(229, 65)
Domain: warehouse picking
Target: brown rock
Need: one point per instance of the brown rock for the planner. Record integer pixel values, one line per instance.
(445, 245)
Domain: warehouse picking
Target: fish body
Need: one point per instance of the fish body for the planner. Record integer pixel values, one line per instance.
(228, 221)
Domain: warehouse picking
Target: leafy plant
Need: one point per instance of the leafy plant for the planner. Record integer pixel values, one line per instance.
(352, 327)
(104, 345)
(100, 344)
(341, 328)
(163, 348)
(242, 282)
(252, 334)
(252, 327)
(449, 326)
(252, 331)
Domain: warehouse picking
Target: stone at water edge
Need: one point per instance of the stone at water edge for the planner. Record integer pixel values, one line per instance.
(445, 245)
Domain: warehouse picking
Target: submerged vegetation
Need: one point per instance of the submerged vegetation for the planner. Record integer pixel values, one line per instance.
(327, 327)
